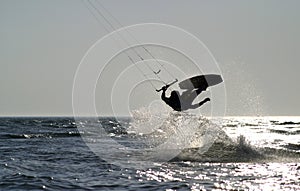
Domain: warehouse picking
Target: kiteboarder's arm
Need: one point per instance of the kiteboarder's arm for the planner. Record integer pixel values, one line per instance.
(163, 94)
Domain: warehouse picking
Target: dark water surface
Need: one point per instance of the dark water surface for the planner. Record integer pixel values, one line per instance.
(50, 154)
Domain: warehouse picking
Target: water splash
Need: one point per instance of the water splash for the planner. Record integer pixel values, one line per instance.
(168, 135)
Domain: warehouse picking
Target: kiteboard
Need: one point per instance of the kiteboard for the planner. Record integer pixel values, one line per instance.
(201, 81)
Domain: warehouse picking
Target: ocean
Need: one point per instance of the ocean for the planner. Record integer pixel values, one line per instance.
(237, 153)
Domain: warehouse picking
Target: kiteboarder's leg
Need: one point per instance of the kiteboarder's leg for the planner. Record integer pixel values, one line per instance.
(200, 103)
(199, 91)
(185, 96)
(189, 95)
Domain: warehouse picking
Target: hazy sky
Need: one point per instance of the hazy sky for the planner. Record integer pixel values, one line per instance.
(256, 44)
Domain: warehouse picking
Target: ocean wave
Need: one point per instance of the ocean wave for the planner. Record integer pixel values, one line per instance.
(40, 135)
(240, 151)
(274, 122)
(53, 122)
(281, 131)
(292, 146)
(221, 151)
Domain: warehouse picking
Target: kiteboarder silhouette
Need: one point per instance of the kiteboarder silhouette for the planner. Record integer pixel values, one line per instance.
(184, 101)
(192, 87)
